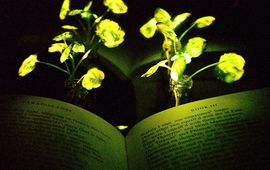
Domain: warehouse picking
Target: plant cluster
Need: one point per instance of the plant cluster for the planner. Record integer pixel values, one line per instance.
(77, 43)
(178, 54)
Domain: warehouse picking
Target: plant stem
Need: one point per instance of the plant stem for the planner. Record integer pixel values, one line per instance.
(204, 68)
(177, 100)
(72, 61)
(67, 67)
(185, 32)
(54, 66)
(84, 57)
(82, 25)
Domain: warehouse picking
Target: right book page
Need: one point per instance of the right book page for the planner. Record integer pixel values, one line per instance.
(226, 132)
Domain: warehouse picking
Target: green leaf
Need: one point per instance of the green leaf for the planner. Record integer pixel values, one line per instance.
(116, 6)
(64, 9)
(230, 67)
(178, 68)
(166, 31)
(180, 18)
(86, 15)
(204, 21)
(65, 54)
(78, 48)
(161, 15)
(154, 68)
(148, 29)
(93, 78)
(75, 12)
(86, 54)
(195, 46)
(63, 36)
(28, 65)
(88, 6)
(57, 47)
(110, 33)
(69, 27)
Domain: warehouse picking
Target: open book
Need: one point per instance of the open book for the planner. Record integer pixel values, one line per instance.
(226, 132)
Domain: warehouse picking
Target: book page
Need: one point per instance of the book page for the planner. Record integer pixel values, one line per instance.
(227, 132)
(42, 133)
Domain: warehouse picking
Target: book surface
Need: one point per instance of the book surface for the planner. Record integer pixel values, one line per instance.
(225, 132)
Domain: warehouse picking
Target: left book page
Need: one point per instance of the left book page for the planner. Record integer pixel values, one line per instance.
(42, 133)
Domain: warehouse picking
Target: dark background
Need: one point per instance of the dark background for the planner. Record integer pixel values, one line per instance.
(28, 26)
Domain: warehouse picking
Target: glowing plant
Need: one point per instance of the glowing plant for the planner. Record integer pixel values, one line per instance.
(229, 68)
(76, 43)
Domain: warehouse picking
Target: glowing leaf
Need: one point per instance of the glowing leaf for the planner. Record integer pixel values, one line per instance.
(122, 127)
(148, 30)
(97, 20)
(65, 54)
(195, 46)
(64, 9)
(204, 21)
(78, 48)
(110, 33)
(230, 67)
(63, 36)
(28, 65)
(86, 54)
(180, 18)
(86, 15)
(116, 6)
(178, 68)
(75, 12)
(69, 27)
(88, 6)
(166, 31)
(154, 68)
(161, 15)
(57, 47)
(93, 78)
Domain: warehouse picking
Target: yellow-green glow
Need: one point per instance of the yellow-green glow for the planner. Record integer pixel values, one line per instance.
(86, 15)
(167, 31)
(154, 68)
(180, 18)
(65, 54)
(64, 36)
(28, 65)
(204, 21)
(110, 33)
(88, 6)
(75, 12)
(78, 48)
(57, 47)
(148, 29)
(116, 6)
(93, 78)
(64, 9)
(195, 46)
(161, 15)
(78, 39)
(122, 127)
(230, 67)
(178, 68)
(69, 27)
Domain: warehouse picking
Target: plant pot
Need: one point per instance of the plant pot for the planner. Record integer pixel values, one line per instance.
(180, 90)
